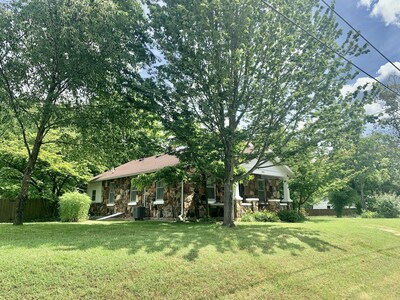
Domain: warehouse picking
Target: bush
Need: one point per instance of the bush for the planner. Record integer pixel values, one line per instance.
(292, 216)
(387, 205)
(266, 216)
(367, 214)
(260, 216)
(342, 198)
(74, 207)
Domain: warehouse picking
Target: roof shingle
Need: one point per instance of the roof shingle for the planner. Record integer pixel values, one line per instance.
(140, 166)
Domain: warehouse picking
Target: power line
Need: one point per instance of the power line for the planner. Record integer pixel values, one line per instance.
(360, 34)
(327, 46)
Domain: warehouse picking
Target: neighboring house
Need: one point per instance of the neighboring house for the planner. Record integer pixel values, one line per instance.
(111, 192)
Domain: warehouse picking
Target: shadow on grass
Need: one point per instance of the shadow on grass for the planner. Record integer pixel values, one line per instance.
(168, 238)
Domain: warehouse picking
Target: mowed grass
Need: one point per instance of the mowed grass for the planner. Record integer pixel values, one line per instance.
(324, 258)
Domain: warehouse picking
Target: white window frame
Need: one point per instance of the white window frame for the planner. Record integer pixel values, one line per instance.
(262, 180)
(111, 192)
(210, 184)
(159, 198)
(95, 195)
(133, 201)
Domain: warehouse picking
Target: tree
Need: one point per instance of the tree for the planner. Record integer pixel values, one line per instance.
(392, 105)
(57, 55)
(58, 169)
(374, 163)
(341, 198)
(247, 77)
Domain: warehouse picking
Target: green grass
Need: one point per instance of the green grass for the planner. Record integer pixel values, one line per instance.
(325, 258)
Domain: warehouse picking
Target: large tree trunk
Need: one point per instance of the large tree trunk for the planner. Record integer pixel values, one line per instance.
(229, 213)
(23, 194)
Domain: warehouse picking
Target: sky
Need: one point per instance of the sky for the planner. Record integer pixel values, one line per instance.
(379, 22)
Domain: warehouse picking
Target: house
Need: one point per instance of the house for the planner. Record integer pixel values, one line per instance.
(112, 192)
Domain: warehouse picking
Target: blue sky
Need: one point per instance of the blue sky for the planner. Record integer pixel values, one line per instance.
(374, 19)
(379, 22)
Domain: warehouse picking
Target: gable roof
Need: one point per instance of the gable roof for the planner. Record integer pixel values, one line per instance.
(155, 163)
(139, 166)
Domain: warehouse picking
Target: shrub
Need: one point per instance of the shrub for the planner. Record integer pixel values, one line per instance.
(341, 198)
(260, 216)
(248, 217)
(292, 216)
(367, 214)
(74, 207)
(266, 216)
(387, 205)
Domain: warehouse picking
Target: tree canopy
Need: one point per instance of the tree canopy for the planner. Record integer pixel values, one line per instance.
(247, 77)
(57, 55)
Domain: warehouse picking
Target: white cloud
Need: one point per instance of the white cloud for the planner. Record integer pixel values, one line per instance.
(374, 108)
(389, 10)
(383, 73)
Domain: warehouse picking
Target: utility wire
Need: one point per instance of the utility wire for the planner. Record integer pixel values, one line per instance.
(360, 34)
(327, 46)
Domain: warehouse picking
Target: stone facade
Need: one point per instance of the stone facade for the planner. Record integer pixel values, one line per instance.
(194, 201)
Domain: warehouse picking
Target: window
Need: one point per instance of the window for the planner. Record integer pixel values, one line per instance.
(261, 190)
(134, 194)
(210, 190)
(93, 195)
(159, 190)
(111, 194)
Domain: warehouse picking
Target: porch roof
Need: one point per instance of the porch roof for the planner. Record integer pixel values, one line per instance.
(269, 169)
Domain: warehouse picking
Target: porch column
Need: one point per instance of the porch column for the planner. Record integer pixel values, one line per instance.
(286, 191)
(236, 193)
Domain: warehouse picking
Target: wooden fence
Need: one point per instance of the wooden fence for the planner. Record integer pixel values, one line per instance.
(34, 209)
(330, 212)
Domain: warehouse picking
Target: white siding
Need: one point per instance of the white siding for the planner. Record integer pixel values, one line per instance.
(97, 187)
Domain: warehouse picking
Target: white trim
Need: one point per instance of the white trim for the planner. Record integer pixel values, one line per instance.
(211, 184)
(109, 193)
(132, 203)
(110, 204)
(95, 186)
(182, 200)
(160, 185)
(252, 199)
(158, 202)
(274, 200)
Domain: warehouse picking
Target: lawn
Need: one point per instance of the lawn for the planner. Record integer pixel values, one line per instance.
(324, 258)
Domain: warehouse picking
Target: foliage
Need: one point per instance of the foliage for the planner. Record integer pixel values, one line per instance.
(60, 168)
(291, 216)
(387, 205)
(317, 172)
(375, 164)
(391, 101)
(169, 175)
(58, 56)
(248, 78)
(340, 199)
(74, 207)
(367, 214)
(260, 216)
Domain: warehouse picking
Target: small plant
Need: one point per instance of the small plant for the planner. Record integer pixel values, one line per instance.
(367, 214)
(266, 216)
(74, 207)
(248, 217)
(260, 216)
(292, 216)
(387, 205)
